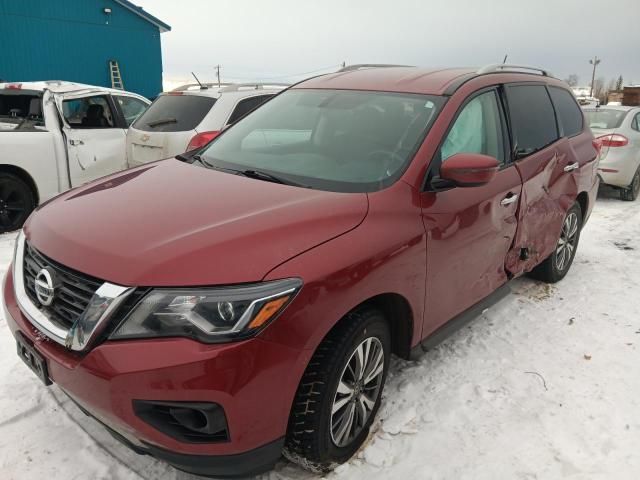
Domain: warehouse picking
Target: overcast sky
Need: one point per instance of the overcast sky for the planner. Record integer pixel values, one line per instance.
(279, 39)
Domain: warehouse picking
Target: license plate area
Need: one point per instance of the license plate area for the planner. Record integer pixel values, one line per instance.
(33, 359)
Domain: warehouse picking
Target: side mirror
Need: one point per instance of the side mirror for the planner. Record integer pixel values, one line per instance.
(469, 169)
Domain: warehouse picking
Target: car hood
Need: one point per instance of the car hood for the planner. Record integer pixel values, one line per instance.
(173, 224)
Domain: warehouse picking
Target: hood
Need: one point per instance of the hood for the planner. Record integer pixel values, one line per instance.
(174, 224)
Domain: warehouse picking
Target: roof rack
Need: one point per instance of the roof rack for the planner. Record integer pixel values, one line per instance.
(236, 87)
(362, 66)
(197, 86)
(506, 67)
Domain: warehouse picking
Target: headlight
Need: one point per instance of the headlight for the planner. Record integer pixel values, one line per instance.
(208, 314)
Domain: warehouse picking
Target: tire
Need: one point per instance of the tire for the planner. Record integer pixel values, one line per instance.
(630, 193)
(555, 266)
(17, 201)
(315, 439)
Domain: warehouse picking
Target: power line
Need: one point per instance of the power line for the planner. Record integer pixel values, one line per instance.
(290, 74)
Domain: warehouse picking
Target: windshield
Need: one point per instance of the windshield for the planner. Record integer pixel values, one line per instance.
(21, 112)
(338, 140)
(605, 118)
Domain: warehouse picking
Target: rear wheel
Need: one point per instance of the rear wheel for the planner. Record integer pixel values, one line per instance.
(555, 266)
(630, 193)
(17, 201)
(340, 392)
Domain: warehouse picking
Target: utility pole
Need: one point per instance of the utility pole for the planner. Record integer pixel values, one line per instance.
(595, 61)
(218, 74)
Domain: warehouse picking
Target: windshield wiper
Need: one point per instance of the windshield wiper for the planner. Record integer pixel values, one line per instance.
(268, 177)
(162, 121)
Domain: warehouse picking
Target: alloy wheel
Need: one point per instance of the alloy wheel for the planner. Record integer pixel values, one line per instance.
(357, 392)
(567, 242)
(12, 204)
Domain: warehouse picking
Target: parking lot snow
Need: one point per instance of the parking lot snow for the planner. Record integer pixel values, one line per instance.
(544, 384)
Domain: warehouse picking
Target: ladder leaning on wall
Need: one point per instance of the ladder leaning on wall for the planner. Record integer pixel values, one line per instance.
(116, 78)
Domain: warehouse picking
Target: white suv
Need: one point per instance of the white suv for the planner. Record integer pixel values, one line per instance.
(189, 117)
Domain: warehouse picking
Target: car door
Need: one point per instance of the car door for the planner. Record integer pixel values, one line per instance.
(470, 229)
(549, 174)
(95, 138)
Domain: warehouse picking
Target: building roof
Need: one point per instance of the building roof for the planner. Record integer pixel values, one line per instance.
(147, 16)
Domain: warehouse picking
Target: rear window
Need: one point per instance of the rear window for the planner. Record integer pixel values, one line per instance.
(569, 113)
(174, 113)
(532, 117)
(21, 112)
(245, 106)
(605, 118)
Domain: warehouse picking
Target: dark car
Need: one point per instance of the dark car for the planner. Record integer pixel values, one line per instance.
(219, 309)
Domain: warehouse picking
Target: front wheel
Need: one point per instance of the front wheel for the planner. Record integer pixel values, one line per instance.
(17, 201)
(555, 266)
(630, 193)
(340, 392)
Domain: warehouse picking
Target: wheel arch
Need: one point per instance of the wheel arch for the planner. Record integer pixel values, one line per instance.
(23, 175)
(399, 316)
(583, 201)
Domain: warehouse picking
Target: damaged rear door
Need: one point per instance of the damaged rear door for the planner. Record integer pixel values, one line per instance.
(547, 170)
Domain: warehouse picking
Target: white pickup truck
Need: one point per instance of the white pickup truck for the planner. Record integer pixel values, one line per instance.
(55, 136)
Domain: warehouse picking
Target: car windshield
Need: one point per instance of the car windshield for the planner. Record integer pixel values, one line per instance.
(20, 111)
(605, 118)
(338, 140)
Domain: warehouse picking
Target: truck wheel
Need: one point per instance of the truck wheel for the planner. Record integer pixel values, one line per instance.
(630, 193)
(340, 392)
(555, 266)
(17, 201)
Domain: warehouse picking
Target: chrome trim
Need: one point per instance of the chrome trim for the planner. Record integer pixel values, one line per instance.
(87, 327)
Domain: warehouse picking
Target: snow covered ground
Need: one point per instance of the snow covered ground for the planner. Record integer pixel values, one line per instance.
(544, 385)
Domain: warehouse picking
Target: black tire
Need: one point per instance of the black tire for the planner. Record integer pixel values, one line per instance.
(630, 193)
(310, 436)
(552, 269)
(17, 201)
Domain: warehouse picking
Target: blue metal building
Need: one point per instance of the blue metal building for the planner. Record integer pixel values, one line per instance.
(75, 40)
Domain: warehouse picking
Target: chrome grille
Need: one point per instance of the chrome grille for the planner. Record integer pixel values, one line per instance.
(73, 295)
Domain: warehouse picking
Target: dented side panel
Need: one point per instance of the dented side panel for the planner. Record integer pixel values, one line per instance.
(469, 233)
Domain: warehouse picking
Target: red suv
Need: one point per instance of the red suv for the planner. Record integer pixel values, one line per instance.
(218, 309)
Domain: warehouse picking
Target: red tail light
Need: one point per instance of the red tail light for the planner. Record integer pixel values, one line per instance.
(613, 140)
(201, 139)
(14, 86)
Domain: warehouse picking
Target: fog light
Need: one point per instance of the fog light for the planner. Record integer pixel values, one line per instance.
(190, 422)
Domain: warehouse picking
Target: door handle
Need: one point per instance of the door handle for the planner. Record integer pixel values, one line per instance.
(572, 167)
(508, 200)
(75, 143)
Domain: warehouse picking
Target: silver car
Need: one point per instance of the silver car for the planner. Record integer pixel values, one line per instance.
(618, 128)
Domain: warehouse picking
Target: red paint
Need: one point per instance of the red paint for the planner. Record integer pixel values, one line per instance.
(469, 169)
(174, 224)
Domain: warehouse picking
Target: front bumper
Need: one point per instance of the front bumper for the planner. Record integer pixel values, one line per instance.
(254, 381)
